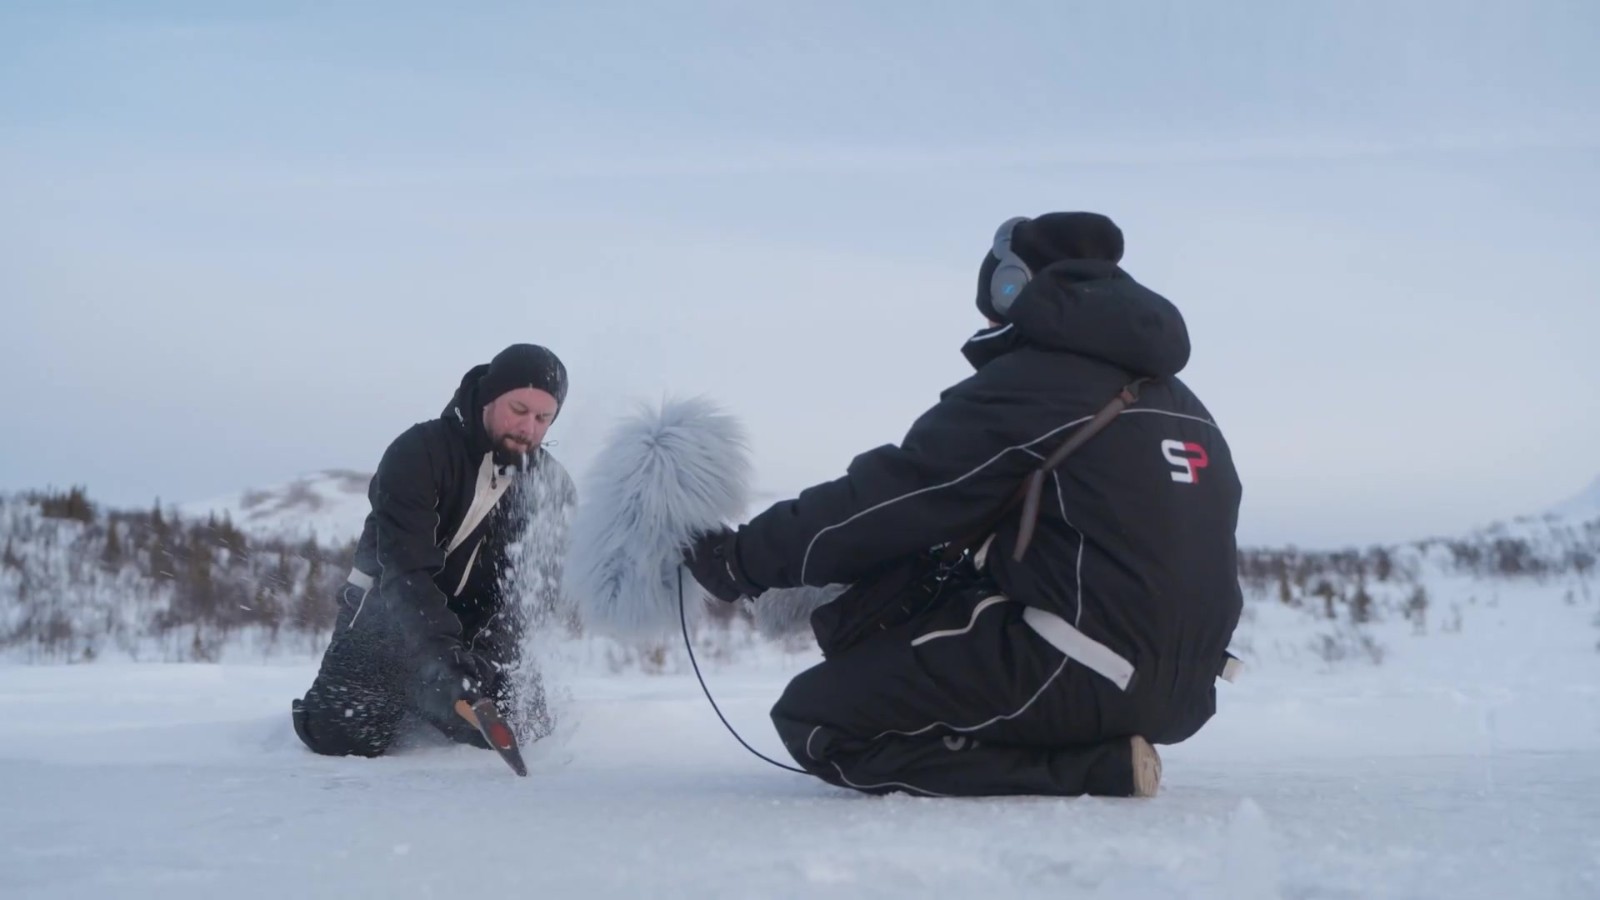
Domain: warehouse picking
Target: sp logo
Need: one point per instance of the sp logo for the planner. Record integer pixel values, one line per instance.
(1187, 458)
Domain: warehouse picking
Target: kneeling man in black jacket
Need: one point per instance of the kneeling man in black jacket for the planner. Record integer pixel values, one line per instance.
(428, 616)
(989, 671)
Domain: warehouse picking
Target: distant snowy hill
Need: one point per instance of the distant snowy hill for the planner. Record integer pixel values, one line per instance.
(331, 505)
(1565, 536)
(1583, 505)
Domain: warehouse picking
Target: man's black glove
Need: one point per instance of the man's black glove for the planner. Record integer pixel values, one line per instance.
(713, 559)
(476, 667)
(458, 672)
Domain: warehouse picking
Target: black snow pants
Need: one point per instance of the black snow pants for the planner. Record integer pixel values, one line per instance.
(965, 699)
(369, 683)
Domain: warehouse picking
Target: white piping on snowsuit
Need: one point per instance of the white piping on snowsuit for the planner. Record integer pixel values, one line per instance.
(805, 560)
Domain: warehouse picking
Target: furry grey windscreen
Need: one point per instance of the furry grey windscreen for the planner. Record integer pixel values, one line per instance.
(663, 474)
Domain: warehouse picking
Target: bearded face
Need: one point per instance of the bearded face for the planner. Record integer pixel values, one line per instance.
(517, 420)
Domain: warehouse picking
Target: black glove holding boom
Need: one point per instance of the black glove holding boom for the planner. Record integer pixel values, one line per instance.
(713, 559)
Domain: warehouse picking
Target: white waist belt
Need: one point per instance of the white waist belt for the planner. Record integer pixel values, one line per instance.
(1079, 647)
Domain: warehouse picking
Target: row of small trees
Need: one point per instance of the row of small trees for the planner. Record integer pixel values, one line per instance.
(1350, 589)
(78, 581)
(74, 578)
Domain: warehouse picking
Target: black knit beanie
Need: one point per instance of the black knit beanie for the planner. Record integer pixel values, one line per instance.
(520, 366)
(1052, 238)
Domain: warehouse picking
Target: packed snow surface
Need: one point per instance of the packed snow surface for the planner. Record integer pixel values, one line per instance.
(1464, 765)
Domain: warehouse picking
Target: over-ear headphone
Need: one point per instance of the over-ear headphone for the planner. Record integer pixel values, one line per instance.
(1012, 274)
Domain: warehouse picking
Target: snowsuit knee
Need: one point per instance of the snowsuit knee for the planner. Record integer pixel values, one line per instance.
(369, 683)
(962, 700)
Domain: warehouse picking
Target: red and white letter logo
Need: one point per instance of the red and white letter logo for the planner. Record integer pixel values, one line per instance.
(1188, 458)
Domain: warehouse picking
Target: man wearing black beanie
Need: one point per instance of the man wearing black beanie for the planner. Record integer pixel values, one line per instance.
(1000, 640)
(428, 617)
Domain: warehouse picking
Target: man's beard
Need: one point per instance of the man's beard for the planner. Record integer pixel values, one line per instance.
(508, 451)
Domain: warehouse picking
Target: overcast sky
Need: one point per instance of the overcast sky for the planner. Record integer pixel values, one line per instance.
(239, 246)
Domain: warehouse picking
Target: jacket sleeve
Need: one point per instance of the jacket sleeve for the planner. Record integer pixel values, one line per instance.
(405, 506)
(952, 470)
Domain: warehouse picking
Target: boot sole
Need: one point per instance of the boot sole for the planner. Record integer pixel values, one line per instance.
(1146, 768)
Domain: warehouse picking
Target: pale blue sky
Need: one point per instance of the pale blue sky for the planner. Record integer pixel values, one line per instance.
(240, 244)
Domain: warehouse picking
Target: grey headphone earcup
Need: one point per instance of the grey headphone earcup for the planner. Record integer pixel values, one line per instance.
(1005, 284)
(1012, 274)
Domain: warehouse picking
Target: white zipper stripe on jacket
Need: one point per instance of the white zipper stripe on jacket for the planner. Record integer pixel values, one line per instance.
(467, 572)
(485, 494)
(484, 497)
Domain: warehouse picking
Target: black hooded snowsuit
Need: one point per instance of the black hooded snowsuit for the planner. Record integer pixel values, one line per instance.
(1115, 623)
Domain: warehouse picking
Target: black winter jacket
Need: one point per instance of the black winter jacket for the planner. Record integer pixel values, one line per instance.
(1135, 539)
(433, 577)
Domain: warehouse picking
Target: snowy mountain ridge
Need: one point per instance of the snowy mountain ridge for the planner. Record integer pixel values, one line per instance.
(330, 505)
(1583, 505)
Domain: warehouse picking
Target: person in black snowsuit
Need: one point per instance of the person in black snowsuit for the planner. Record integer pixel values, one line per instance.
(983, 675)
(428, 615)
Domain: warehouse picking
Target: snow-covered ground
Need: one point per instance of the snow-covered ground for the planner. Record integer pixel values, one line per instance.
(1466, 765)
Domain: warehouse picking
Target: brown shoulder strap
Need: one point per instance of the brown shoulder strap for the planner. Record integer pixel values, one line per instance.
(1029, 492)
